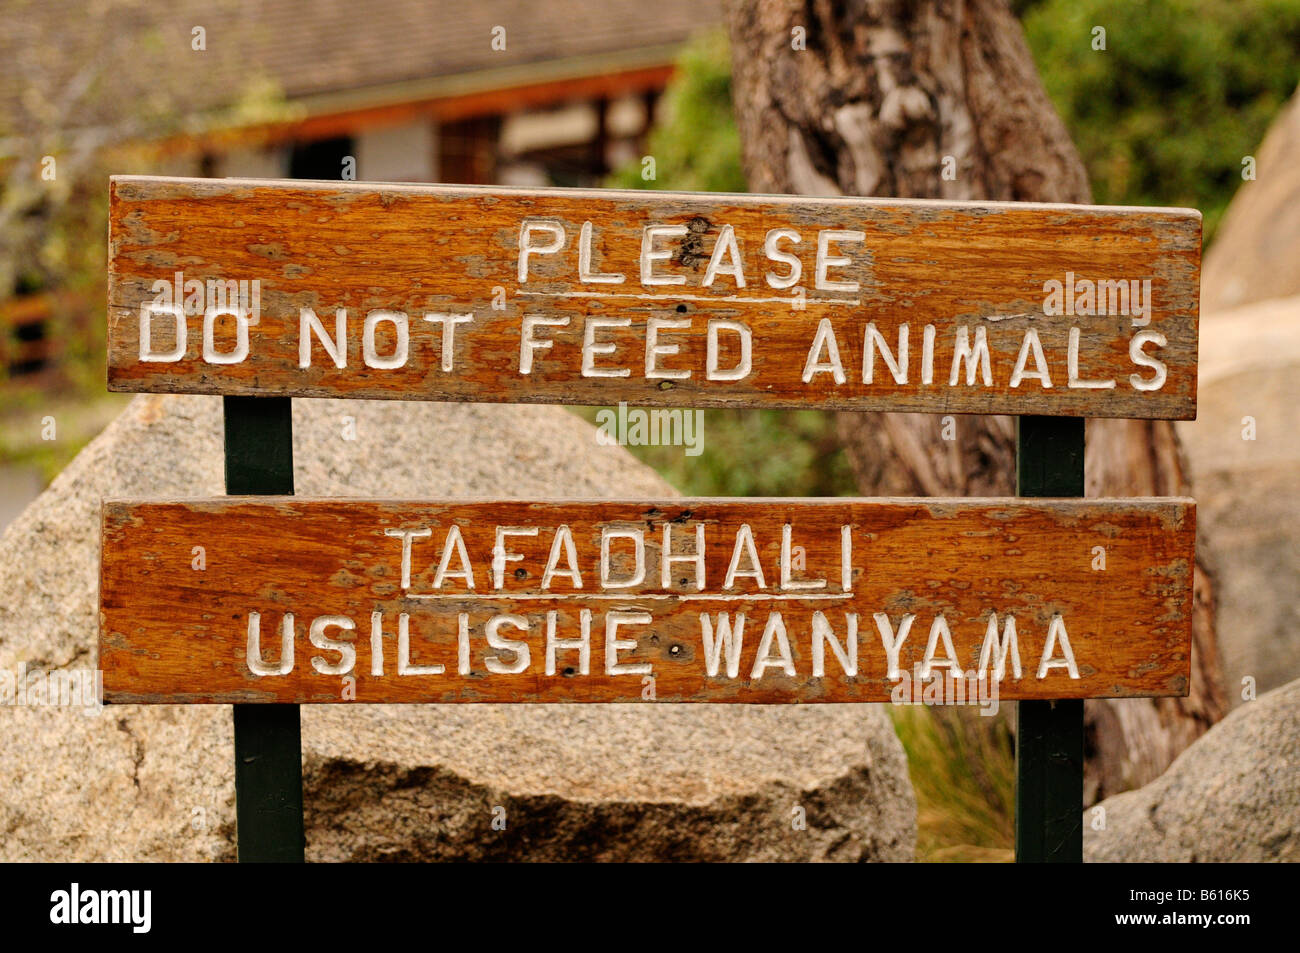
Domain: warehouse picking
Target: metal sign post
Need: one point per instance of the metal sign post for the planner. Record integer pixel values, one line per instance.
(1049, 734)
(268, 738)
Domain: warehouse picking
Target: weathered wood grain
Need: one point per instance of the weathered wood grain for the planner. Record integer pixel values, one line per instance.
(959, 268)
(180, 579)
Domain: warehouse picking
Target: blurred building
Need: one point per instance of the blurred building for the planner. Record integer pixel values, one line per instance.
(539, 92)
(520, 92)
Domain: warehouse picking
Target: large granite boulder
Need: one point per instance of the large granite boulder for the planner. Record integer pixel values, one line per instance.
(410, 782)
(1244, 453)
(1256, 251)
(1234, 795)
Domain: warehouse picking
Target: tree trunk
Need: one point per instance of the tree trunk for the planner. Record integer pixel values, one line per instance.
(871, 97)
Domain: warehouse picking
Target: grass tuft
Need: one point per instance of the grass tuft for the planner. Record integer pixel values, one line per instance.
(963, 769)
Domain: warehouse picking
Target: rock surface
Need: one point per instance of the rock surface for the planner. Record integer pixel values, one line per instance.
(1234, 795)
(1248, 490)
(1256, 251)
(410, 782)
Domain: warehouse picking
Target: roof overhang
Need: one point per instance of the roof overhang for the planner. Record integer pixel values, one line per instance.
(449, 98)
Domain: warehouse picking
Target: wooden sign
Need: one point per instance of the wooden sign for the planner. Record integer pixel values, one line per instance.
(266, 599)
(338, 289)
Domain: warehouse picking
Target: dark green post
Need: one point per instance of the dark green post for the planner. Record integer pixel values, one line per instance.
(268, 738)
(1049, 734)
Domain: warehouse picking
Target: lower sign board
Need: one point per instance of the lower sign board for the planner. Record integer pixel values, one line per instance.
(273, 599)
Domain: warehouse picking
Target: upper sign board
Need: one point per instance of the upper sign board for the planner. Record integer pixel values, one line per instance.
(340, 289)
(286, 600)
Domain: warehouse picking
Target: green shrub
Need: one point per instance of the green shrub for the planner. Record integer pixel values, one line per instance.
(1182, 92)
(695, 145)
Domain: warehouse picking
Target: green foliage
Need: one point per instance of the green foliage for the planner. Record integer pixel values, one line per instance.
(695, 146)
(1182, 92)
(755, 453)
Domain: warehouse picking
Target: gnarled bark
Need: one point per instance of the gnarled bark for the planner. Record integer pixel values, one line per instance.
(880, 97)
